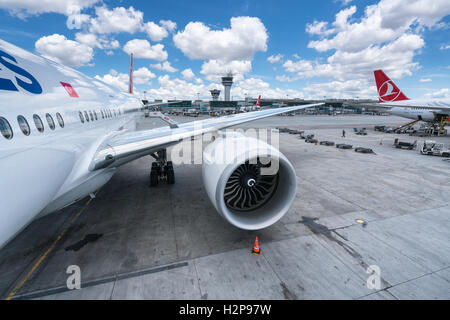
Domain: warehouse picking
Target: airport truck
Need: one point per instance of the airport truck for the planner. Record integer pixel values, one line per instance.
(432, 148)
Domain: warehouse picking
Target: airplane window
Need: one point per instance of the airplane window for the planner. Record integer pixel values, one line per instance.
(5, 128)
(60, 119)
(81, 116)
(50, 121)
(95, 115)
(114, 113)
(92, 116)
(23, 124)
(103, 115)
(86, 116)
(38, 123)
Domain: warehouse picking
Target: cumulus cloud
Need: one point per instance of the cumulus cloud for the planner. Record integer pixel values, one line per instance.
(425, 80)
(23, 8)
(116, 20)
(245, 37)
(143, 49)
(188, 74)
(165, 66)
(93, 41)
(155, 33)
(143, 76)
(341, 89)
(169, 25)
(115, 79)
(387, 36)
(440, 94)
(121, 80)
(215, 69)
(275, 58)
(68, 52)
(446, 47)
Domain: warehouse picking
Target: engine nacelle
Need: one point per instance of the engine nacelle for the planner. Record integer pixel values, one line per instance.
(250, 183)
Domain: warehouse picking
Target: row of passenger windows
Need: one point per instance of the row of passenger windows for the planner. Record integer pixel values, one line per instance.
(7, 132)
(92, 115)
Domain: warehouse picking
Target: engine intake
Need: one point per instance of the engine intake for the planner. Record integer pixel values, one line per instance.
(254, 187)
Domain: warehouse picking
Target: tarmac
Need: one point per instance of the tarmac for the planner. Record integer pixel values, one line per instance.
(388, 211)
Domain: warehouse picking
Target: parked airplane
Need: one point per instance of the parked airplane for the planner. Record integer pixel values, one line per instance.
(394, 101)
(63, 135)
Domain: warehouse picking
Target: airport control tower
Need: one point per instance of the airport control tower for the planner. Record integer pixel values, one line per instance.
(227, 83)
(215, 94)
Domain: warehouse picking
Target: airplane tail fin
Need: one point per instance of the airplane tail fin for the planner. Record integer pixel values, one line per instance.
(130, 86)
(258, 102)
(387, 90)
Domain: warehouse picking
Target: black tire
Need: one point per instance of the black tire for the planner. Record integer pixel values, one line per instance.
(170, 176)
(153, 179)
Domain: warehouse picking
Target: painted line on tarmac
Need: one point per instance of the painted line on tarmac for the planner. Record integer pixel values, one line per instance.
(49, 250)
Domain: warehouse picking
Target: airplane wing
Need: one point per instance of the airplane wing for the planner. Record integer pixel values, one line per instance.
(129, 146)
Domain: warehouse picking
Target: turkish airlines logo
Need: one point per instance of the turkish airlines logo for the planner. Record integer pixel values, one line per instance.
(388, 92)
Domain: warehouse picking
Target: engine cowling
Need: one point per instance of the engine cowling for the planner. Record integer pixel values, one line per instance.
(250, 183)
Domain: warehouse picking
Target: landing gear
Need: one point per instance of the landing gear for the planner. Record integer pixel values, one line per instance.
(162, 170)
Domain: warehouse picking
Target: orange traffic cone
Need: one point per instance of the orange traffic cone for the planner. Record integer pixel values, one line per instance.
(315, 143)
(256, 250)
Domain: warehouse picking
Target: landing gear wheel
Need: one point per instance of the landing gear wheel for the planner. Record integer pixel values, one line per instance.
(153, 179)
(170, 176)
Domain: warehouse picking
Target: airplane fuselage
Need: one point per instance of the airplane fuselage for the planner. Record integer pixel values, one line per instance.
(52, 120)
(420, 109)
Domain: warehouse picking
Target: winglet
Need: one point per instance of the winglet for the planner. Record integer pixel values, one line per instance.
(258, 102)
(387, 90)
(130, 87)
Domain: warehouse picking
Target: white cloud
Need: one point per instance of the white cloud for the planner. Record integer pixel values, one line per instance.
(246, 36)
(142, 49)
(254, 87)
(387, 36)
(92, 40)
(446, 47)
(385, 21)
(188, 74)
(165, 66)
(143, 76)
(115, 79)
(169, 25)
(425, 80)
(440, 94)
(284, 78)
(180, 89)
(116, 20)
(275, 58)
(155, 33)
(215, 69)
(341, 89)
(319, 28)
(23, 8)
(68, 52)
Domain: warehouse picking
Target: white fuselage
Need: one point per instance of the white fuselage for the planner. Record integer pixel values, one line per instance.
(420, 109)
(45, 171)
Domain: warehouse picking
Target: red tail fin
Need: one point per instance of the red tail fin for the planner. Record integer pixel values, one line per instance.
(130, 86)
(387, 90)
(258, 102)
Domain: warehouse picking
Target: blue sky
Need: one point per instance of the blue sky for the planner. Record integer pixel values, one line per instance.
(318, 48)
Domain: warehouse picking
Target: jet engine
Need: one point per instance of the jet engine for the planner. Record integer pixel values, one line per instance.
(251, 184)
